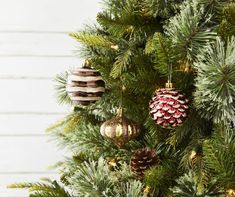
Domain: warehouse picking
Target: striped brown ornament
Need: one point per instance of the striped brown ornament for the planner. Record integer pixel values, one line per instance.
(85, 86)
(120, 130)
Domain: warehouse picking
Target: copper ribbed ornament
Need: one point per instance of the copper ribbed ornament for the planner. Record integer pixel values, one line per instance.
(168, 107)
(143, 159)
(85, 85)
(120, 130)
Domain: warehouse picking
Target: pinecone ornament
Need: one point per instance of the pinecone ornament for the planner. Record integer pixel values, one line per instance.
(85, 85)
(169, 108)
(143, 159)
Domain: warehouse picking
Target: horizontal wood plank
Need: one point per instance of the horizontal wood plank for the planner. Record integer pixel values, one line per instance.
(46, 15)
(29, 96)
(28, 154)
(6, 179)
(34, 47)
(36, 66)
(50, 45)
(26, 124)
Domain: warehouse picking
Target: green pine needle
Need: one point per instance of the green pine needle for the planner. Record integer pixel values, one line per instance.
(187, 34)
(215, 93)
(41, 189)
(187, 186)
(92, 40)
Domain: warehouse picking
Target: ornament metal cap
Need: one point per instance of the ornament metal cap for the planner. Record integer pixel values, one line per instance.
(169, 85)
(87, 64)
(119, 112)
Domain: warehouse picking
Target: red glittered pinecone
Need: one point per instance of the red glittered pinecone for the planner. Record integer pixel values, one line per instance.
(143, 159)
(169, 108)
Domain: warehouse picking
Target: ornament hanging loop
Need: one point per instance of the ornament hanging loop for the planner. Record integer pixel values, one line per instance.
(122, 90)
(169, 84)
(170, 70)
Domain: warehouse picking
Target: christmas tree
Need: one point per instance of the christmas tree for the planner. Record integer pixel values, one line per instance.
(153, 105)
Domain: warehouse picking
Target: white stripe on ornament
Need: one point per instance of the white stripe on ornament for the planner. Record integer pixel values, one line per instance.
(85, 89)
(79, 98)
(83, 78)
(85, 70)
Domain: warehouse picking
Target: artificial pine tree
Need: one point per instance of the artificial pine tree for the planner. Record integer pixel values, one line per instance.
(142, 44)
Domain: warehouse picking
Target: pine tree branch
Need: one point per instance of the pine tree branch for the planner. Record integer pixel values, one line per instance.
(215, 93)
(122, 62)
(186, 32)
(219, 156)
(162, 8)
(96, 179)
(92, 40)
(40, 189)
(116, 27)
(160, 48)
(187, 186)
(61, 81)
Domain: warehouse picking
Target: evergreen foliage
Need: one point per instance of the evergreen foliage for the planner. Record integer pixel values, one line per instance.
(215, 82)
(188, 186)
(136, 44)
(189, 30)
(219, 156)
(47, 188)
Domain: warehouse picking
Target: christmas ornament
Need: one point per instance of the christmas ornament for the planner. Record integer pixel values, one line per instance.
(230, 193)
(120, 130)
(143, 159)
(85, 85)
(168, 107)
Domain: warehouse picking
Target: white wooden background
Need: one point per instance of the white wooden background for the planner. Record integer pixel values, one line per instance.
(34, 47)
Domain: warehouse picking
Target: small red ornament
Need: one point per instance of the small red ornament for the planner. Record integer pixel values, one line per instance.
(169, 108)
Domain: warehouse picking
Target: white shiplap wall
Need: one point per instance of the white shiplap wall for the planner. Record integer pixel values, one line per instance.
(34, 47)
